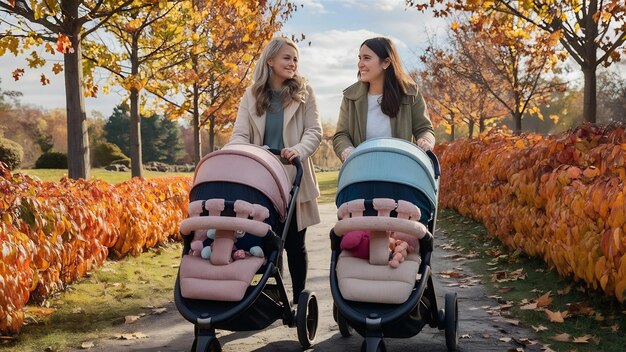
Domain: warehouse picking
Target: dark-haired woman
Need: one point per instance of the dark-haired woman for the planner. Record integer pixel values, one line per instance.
(385, 102)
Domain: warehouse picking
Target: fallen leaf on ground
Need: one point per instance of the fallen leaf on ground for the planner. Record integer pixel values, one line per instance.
(539, 328)
(87, 345)
(529, 306)
(505, 339)
(544, 300)
(582, 339)
(556, 317)
(451, 274)
(564, 337)
(466, 336)
(129, 319)
(132, 336)
(159, 310)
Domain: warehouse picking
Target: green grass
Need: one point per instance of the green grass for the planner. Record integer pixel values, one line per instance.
(90, 309)
(606, 321)
(112, 177)
(328, 186)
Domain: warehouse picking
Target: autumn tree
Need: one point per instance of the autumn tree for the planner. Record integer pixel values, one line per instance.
(505, 57)
(149, 38)
(32, 24)
(452, 98)
(593, 32)
(225, 37)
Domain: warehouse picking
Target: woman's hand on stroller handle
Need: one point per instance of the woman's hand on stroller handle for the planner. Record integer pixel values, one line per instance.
(293, 160)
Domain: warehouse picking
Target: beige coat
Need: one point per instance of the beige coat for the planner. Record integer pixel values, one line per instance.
(302, 131)
(411, 123)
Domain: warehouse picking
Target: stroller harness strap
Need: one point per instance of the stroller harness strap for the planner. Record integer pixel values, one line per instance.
(253, 227)
(381, 226)
(373, 223)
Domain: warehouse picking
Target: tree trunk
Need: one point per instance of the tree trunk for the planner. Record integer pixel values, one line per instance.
(481, 124)
(197, 137)
(77, 136)
(212, 132)
(135, 119)
(470, 127)
(517, 122)
(589, 66)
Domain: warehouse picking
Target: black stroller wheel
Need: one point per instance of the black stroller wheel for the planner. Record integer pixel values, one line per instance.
(380, 346)
(451, 321)
(213, 346)
(344, 328)
(307, 316)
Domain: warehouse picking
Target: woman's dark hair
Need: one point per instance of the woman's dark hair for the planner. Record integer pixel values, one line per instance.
(396, 81)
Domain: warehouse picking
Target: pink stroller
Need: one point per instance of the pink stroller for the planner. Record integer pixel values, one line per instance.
(243, 193)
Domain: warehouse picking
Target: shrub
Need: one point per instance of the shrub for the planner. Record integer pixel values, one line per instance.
(125, 162)
(11, 153)
(51, 160)
(105, 153)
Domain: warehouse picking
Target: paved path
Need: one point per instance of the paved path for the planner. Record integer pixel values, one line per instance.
(481, 325)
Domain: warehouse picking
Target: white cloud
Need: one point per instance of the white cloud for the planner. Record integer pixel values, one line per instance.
(314, 6)
(385, 5)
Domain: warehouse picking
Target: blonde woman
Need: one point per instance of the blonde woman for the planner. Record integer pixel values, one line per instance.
(279, 110)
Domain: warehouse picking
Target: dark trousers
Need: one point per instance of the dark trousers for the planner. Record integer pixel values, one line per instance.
(297, 258)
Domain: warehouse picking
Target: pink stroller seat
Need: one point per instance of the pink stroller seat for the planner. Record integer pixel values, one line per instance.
(373, 280)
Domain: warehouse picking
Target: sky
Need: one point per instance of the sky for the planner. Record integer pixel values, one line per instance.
(334, 28)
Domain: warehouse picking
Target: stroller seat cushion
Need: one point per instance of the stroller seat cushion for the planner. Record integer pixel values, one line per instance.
(199, 279)
(363, 282)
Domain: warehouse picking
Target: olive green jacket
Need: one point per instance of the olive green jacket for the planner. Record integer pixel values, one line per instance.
(411, 123)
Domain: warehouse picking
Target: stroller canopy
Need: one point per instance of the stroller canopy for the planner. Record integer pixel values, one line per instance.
(250, 165)
(390, 160)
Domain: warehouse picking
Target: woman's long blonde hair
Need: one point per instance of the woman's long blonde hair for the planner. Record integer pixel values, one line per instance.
(294, 88)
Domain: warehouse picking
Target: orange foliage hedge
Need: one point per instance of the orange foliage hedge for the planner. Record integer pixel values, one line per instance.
(560, 198)
(52, 233)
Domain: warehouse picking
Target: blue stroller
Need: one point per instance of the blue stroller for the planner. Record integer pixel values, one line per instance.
(387, 186)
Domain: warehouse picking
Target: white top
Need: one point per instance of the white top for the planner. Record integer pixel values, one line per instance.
(378, 124)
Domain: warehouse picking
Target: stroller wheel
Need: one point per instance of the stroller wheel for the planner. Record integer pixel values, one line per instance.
(307, 316)
(374, 346)
(344, 327)
(451, 321)
(213, 346)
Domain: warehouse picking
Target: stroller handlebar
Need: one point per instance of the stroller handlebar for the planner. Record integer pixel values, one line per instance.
(295, 162)
(435, 162)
